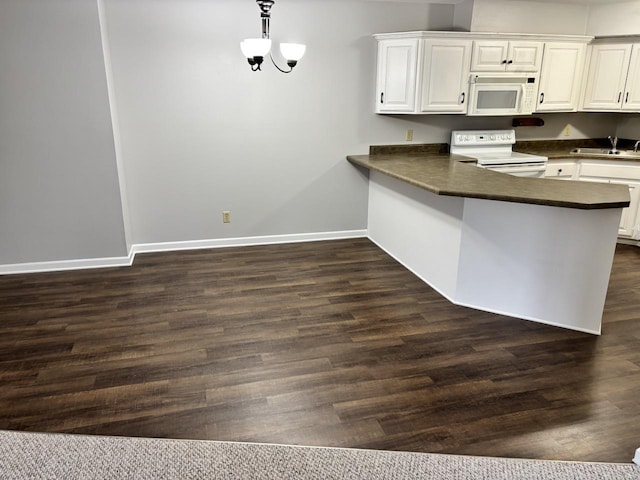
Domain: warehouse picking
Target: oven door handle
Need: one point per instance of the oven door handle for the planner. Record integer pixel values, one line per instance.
(522, 170)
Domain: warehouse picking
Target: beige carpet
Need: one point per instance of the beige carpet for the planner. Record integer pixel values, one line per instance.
(56, 456)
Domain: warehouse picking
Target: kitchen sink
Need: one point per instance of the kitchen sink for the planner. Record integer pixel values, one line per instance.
(606, 151)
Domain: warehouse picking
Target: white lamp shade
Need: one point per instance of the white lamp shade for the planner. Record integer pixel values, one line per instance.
(292, 51)
(255, 47)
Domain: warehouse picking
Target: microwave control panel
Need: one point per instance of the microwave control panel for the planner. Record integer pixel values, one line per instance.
(529, 97)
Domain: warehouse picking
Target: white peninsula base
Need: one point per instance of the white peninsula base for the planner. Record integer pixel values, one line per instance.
(536, 262)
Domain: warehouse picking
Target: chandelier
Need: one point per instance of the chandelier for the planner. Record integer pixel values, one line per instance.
(255, 49)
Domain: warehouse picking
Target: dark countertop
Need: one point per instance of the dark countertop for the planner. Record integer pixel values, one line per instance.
(455, 175)
(564, 155)
(561, 149)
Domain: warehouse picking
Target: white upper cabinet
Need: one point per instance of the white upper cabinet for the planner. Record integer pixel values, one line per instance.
(631, 99)
(422, 75)
(426, 72)
(445, 75)
(612, 78)
(397, 68)
(506, 56)
(560, 77)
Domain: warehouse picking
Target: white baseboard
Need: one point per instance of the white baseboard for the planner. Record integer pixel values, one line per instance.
(247, 241)
(62, 265)
(83, 264)
(629, 241)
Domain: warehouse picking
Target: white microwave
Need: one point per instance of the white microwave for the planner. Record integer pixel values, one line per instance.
(502, 94)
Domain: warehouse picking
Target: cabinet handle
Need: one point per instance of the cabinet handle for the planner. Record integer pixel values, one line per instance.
(559, 171)
(462, 98)
(542, 97)
(619, 96)
(382, 97)
(504, 61)
(510, 62)
(626, 98)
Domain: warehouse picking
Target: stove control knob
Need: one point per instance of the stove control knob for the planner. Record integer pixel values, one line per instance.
(493, 137)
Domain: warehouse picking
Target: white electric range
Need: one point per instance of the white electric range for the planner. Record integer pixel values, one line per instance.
(493, 150)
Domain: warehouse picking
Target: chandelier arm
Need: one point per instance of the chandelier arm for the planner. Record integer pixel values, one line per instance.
(276, 65)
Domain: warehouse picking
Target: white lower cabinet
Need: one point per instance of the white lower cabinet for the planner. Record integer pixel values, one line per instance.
(622, 173)
(562, 170)
(629, 221)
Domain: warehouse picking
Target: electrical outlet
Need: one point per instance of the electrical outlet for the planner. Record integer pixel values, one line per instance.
(409, 135)
(567, 130)
(226, 216)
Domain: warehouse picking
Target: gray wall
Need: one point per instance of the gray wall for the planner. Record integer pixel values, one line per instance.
(629, 127)
(527, 16)
(59, 193)
(201, 133)
(622, 18)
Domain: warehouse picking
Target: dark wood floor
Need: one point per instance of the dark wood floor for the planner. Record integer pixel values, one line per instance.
(328, 343)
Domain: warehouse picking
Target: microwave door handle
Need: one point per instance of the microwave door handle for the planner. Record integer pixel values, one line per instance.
(522, 94)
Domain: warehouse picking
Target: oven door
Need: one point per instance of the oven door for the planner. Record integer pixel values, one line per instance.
(520, 170)
(496, 99)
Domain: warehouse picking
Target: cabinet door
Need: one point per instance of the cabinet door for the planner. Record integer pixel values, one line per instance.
(632, 94)
(500, 56)
(560, 77)
(560, 170)
(629, 218)
(589, 171)
(622, 173)
(489, 56)
(606, 77)
(620, 170)
(396, 81)
(445, 77)
(524, 56)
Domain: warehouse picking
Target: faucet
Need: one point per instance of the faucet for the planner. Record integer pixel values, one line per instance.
(614, 142)
(635, 147)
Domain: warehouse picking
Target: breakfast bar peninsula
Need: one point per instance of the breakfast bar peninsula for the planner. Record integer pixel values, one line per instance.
(532, 248)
